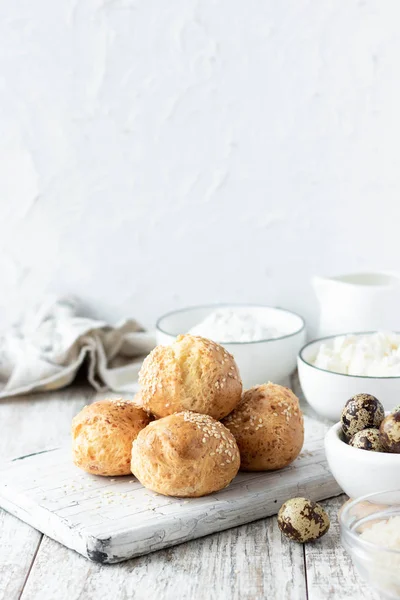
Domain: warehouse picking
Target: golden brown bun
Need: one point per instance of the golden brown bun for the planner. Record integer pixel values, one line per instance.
(193, 374)
(185, 454)
(102, 436)
(268, 427)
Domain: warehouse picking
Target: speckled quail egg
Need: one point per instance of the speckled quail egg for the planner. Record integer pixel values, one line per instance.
(396, 409)
(390, 432)
(362, 411)
(302, 520)
(367, 439)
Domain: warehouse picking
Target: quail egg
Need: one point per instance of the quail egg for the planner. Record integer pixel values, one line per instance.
(390, 432)
(362, 411)
(302, 520)
(367, 439)
(396, 409)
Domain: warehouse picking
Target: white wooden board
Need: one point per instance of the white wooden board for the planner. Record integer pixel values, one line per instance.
(109, 520)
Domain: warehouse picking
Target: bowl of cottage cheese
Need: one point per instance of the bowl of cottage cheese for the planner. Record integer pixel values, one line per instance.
(264, 340)
(333, 369)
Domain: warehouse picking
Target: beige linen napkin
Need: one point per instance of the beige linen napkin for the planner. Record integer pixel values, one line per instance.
(45, 350)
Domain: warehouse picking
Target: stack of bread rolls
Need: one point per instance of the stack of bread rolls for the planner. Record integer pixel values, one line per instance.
(194, 428)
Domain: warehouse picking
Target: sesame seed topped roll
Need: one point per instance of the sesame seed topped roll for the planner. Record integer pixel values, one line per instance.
(193, 374)
(185, 454)
(102, 436)
(268, 427)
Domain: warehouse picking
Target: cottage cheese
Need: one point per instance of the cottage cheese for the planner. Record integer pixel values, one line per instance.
(235, 325)
(373, 355)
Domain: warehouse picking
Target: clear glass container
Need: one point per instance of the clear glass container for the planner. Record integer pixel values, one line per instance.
(370, 532)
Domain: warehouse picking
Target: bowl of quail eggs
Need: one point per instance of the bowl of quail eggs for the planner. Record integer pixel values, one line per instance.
(363, 449)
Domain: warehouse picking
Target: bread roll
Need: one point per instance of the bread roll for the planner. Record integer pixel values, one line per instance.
(268, 427)
(193, 374)
(102, 436)
(186, 454)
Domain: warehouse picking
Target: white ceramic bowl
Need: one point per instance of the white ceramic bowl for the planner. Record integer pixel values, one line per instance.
(327, 392)
(360, 472)
(258, 362)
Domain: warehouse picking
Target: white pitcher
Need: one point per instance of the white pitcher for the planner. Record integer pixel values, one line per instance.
(358, 302)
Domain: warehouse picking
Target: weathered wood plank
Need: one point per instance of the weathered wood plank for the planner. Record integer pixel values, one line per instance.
(112, 519)
(250, 562)
(331, 574)
(27, 424)
(240, 563)
(245, 563)
(18, 546)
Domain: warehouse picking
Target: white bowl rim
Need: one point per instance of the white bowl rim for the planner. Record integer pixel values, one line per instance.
(391, 275)
(241, 305)
(332, 438)
(351, 533)
(330, 337)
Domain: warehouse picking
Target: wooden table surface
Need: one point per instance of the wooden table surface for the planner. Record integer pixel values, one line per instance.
(249, 562)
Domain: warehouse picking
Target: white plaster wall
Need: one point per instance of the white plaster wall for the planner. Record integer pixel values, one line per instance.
(158, 153)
